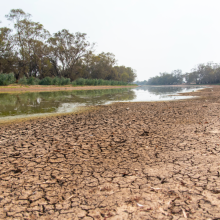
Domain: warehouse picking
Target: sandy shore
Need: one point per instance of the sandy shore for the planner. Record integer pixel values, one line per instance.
(38, 88)
(156, 160)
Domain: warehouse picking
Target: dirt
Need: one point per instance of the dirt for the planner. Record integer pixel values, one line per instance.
(123, 161)
(38, 88)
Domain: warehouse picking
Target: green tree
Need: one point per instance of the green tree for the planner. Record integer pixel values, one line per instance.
(29, 51)
(126, 74)
(68, 49)
(102, 67)
(29, 40)
(7, 56)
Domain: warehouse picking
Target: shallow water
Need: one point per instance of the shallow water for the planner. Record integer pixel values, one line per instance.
(22, 105)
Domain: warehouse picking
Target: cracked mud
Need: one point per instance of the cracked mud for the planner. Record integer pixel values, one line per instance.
(123, 161)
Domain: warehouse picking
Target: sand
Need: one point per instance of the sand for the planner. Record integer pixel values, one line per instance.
(152, 160)
(39, 88)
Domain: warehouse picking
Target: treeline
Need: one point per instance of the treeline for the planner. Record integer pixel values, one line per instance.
(176, 77)
(203, 74)
(29, 50)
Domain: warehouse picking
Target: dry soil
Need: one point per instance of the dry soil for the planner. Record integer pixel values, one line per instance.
(148, 160)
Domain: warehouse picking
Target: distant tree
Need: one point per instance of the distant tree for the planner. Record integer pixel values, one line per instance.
(173, 78)
(204, 74)
(141, 82)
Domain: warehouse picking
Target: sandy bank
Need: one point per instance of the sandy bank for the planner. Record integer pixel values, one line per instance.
(123, 161)
(39, 88)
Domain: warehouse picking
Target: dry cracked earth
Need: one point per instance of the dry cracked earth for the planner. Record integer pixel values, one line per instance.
(123, 161)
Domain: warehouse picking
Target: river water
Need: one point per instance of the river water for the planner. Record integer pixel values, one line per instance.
(31, 104)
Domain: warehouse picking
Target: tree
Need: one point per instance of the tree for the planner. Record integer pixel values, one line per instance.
(29, 41)
(99, 66)
(178, 76)
(126, 74)
(7, 57)
(29, 50)
(67, 50)
(173, 78)
(104, 67)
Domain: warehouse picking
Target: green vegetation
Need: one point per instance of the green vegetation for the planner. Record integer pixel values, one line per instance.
(173, 78)
(33, 54)
(6, 79)
(98, 82)
(203, 74)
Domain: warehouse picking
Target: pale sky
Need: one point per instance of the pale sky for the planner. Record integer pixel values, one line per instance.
(151, 36)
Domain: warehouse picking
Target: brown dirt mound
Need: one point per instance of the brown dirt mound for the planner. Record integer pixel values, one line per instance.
(123, 161)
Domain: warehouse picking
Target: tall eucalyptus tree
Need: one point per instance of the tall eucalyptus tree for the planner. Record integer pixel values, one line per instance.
(29, 39)
(67, 52)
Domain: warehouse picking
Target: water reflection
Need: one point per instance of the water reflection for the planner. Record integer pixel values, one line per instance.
(162, 93)
(165, 90)
(60, 101)
(38, 103)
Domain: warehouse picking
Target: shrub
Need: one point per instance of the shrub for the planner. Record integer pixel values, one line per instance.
(23, 80)
(46, 81)
(88, 82)
(64, 81)
(60, 81)
(95, 82)
(11, 78)
(56, 81)
(37, 81)
(6, 79)
(100, 81)
(107, 82)
(74, 83)
(33, 81)
(80, 82)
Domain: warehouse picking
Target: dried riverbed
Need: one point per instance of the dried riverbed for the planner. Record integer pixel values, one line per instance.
(123, 161)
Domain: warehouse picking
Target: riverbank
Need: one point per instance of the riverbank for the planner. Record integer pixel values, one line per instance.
(152, 160)
(40, 88)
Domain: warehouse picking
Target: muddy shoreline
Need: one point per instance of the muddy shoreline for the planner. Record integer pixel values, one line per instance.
(39, 88)
(151, 160)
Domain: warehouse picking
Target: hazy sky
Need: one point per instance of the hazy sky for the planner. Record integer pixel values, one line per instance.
(151, 36)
